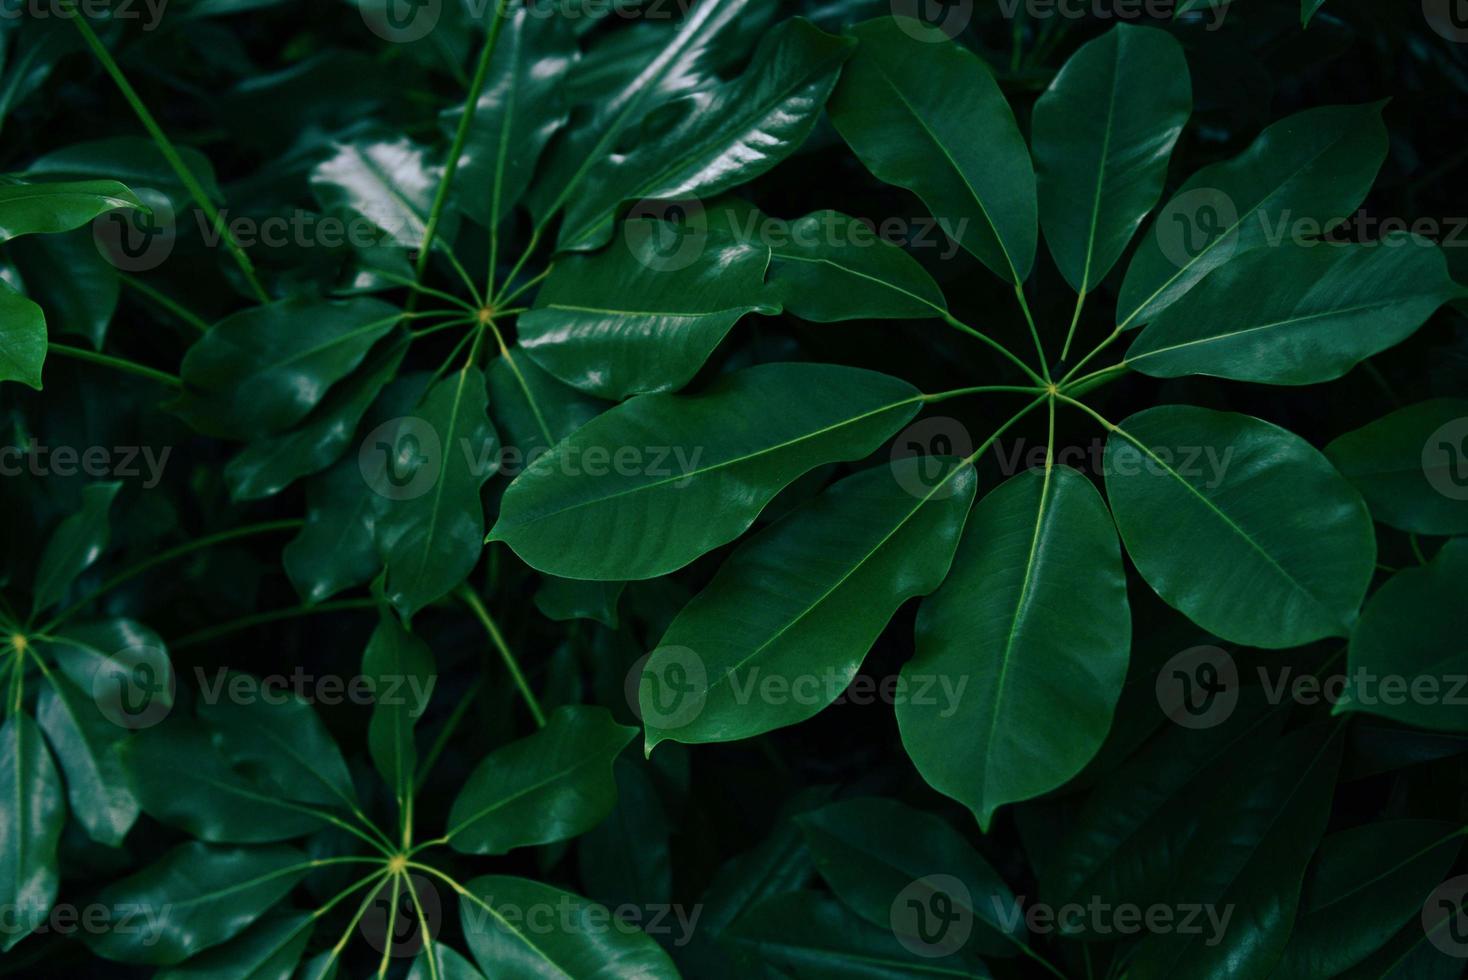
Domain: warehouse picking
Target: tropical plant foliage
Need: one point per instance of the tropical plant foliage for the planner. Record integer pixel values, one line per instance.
(547, 490)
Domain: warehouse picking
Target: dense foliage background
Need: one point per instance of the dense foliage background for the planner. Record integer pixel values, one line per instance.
(154, 537)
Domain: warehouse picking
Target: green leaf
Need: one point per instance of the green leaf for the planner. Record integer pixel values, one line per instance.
(85, 742)
(30, 827)
(1040, 542)
(1247, 861)
(625, 859)
(1298, 314)
(263, 370)
(268, 951)
(74, 547)
(120, 653)
(808, 935)
(546, 787)
(664, 71)
(72, 282)
(1411, 466)
(723, 137)
(275, 735)
(1307, 10)
(22, 339)
(521, 108)
(134, 160)
(193, 898)
(337, 548)
(186, 776)
(924, 113)
(531, 409)
(403, 671)
(787, 621)
(829, 267)
(387, 182)
(1312, 167)
(564, 599)
(645, 314)
(1103, 133)
(434, 462)
(661, 479)
(268, 466)
(1407, 658)
(1280, 548)
(870, 850)
(1363, 885)
(512, 937)
(44, 209)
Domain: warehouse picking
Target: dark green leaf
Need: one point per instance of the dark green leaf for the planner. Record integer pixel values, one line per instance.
(925, 113)
(1103, 133)
(403, 672)
(30, 827)
(22, 338)
(661, 479)
(85, 742)
(1279, 547)
(390, 184)
(74, 546)
(31, 209)
(991, 635)
(786, 623)
(269, 951)
(1411, 466)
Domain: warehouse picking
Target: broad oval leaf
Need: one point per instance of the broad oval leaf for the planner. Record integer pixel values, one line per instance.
(403, 672)
(519, 110)
(546, 787)
(870, 850)
(661, 479)
(133, 160)
(85, 742)
(264, 369)
(1411, 466)
(924, 113)
(1040, 542)
(269, 950)
(1298, 314)
(786, 623)
(41, 209)
(1103, 133)
(1240, 525)
(195, 897)
(432, 463)
(1315, 166)
(1406, 658)
(645, 314)
(512, 938)
(30, 827)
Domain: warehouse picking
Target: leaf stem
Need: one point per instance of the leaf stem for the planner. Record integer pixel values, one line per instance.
(1111, 338)
(1024, 304)
(392, 918)
(1075, 318)
(528, 284)
(423, 928)
(530, 247)
(170, 154)
(545, 431)
(131, 367)
(1004, 428)
(169, 304)
(456, 149)
(259, 619)
(942, 396)
(418, 287)
(472, 601)
(176, 552)
(958, 324)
